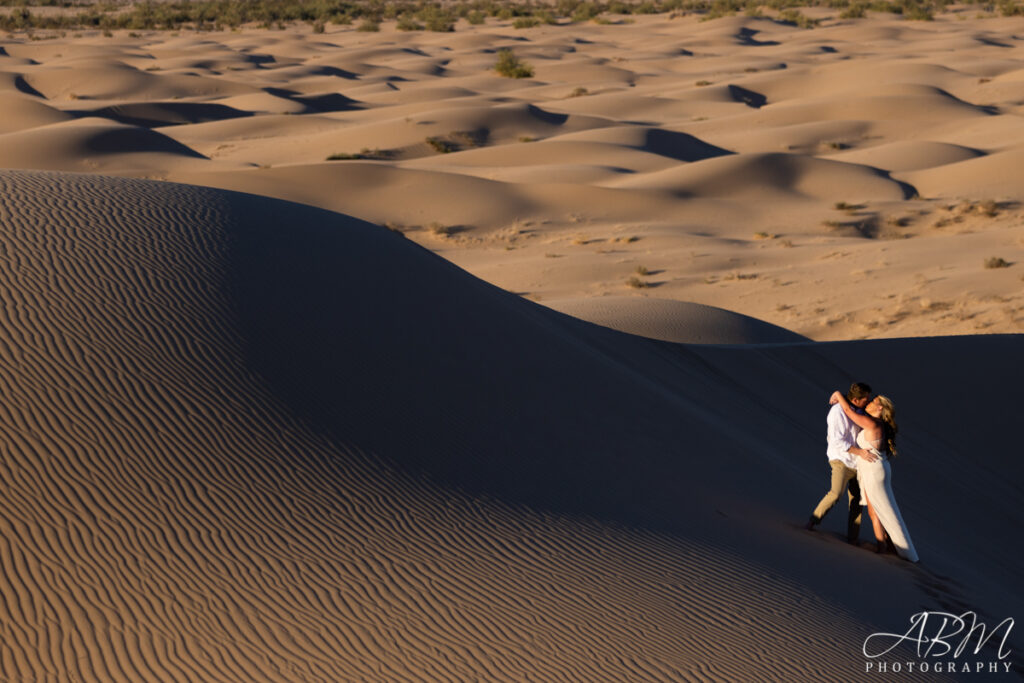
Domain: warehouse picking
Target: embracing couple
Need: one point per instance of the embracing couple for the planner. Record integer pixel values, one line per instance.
(861, 441)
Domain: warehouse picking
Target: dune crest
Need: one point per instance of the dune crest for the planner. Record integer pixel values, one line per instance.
(674, 321)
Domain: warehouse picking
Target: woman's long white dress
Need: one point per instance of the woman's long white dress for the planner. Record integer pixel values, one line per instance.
(875, 480)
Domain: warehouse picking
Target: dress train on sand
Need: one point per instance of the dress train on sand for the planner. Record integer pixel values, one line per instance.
(876, 486)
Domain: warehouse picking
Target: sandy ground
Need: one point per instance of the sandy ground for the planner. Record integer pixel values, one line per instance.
(238, 452)
(700, 162)
(249, 436)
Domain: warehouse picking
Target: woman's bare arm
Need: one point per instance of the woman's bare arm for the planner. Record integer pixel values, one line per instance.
(862, 421)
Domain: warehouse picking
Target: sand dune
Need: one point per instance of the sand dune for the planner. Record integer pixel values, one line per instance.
(903, 103)
(756, 166)
(667, 143)
(614, 105)
(237, 451)
(547, 153)
(11, 82)
(766, 174)
(908, 155)
(93, 144)
(991, 176)
(160, 114)
(249, 439)
(858, 78)
(268, 126)
(21, 112)
(366, 187)
(810, 137)
(120, 81)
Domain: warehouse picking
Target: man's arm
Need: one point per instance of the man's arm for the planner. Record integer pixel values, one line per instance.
(840, 440)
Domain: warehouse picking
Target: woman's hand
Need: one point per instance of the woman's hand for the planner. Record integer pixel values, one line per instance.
(835, 398)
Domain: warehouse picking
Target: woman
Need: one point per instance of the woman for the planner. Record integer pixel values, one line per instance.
(877, 445)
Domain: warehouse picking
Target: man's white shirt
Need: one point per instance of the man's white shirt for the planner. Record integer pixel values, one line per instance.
(842, 436)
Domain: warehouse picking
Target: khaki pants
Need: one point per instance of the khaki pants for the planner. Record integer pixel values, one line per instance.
(843, 477)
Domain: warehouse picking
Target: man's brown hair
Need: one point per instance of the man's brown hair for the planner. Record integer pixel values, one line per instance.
(858, 390)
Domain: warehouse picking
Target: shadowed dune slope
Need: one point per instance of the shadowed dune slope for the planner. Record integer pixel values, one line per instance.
(157, 114)
(90, 144)
(250, 440)
(674, 321)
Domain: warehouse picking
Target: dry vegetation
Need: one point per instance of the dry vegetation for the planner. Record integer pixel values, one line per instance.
(419, 15)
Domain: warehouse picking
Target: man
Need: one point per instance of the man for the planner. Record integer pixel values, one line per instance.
(842, 436)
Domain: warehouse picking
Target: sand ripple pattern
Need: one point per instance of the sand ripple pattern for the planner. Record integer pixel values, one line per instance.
(166, 516)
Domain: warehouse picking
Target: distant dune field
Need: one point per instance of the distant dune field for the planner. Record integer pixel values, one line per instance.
(847, 181)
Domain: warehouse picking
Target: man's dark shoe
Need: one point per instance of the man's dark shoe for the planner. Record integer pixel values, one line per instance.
(811, 523)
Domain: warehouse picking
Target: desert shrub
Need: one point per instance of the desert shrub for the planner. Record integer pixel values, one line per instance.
(525, 22)
(440, 25)
(458, 140)
(364, 153)
(796, 18)
(1010, 8)
(204, 15)
(637, 283)
(437, 20)
(565, 8)
(509, 66)
(586, 11)
(996, 262)
(407, 23)
(369, 25)
(440, 145)
(714, 9)
(918, 13)
(442, 230)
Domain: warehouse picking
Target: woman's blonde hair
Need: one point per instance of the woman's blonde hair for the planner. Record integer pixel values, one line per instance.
(888, 418)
